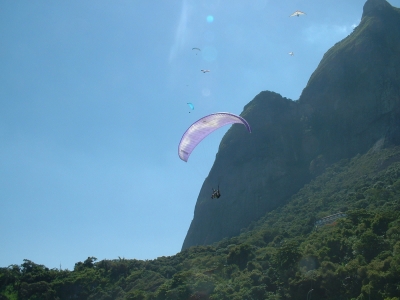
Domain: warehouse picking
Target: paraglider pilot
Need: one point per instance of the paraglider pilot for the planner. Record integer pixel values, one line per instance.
(216, 193)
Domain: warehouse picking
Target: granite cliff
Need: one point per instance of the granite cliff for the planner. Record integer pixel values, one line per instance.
(351, 104)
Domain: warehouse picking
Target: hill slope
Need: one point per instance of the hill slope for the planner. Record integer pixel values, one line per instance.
(282, 256)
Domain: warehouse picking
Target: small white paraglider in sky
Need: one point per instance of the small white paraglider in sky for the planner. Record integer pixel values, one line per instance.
(297, 13)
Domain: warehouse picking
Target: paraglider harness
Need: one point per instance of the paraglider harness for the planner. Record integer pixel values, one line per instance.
(216, 193)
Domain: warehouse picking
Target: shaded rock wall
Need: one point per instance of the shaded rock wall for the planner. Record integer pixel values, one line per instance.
(256, 171)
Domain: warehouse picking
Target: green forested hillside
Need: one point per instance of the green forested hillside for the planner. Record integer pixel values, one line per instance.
(282, 256)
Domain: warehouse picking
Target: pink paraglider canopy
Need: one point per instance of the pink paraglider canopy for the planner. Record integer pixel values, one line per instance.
(203, 127)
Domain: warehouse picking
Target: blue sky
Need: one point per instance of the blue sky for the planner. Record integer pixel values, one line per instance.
(93, 105)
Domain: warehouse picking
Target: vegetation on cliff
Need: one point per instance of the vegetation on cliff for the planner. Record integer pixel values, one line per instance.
(298, 166)
(281, 256)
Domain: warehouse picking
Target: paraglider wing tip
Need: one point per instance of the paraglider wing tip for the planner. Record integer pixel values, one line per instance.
(246, 124)
(183, 155)
(185, 159)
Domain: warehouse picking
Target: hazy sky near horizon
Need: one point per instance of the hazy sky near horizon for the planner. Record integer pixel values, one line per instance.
(93, 103)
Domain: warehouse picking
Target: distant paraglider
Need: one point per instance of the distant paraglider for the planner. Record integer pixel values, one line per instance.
(297, 13)
(291, 53)
(202, 128)
(216, 193)
(205, 71)
(191, 106)
(197, 49)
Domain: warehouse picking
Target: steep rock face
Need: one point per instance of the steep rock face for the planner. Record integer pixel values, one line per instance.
(371, 7)
(354, 94)
(351, 102)
(256, 171)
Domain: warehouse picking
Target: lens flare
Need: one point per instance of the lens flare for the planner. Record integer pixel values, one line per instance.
(206, 92)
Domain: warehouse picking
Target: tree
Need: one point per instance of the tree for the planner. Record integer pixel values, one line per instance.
(240, 255)
(287, 255)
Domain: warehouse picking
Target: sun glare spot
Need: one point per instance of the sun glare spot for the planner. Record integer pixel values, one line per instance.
(206, 92)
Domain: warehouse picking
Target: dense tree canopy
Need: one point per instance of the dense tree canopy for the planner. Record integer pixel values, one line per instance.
(282, 256)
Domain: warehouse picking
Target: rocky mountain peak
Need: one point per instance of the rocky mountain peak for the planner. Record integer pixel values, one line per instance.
(351, 104)
(371, 7)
